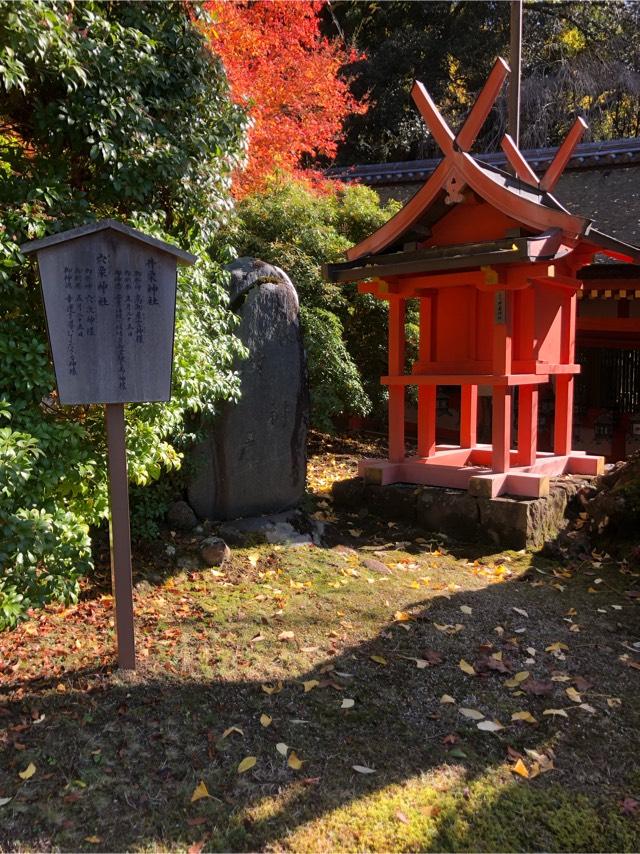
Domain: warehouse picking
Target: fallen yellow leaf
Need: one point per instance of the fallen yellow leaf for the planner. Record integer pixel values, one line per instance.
(556, 712)
(294, 761)
(572, 694)
(247, 763)
(378, 659)
(200, 792)
(231, 729)
(265, 720)
(447, 698)
(521, 769)
(282, 748)
(272, 689)
(402, 617)
(94, 840)
(466, 667)
(28, 772)
(524, 716)
(556, 647)
(310, 685)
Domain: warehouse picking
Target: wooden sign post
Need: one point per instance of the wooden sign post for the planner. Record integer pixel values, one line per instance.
(109, 294)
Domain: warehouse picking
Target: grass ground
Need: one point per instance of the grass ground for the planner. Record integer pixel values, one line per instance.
(390, 667)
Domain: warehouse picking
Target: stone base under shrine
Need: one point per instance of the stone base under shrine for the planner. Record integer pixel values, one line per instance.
(503, 523)
(470, 468)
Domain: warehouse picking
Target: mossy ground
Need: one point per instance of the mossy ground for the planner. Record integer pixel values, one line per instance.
(118, 757)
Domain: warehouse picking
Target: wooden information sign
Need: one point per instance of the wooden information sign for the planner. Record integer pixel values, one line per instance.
(109, 294)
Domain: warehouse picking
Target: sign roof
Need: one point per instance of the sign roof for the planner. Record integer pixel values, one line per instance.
(112, 224)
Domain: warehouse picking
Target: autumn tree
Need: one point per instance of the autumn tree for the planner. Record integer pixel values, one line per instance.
(287, 75)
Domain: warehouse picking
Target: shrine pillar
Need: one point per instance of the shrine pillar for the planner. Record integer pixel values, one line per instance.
(426, 393)
(397, 309)
(527, 424)
(563, 422)
(468, 416)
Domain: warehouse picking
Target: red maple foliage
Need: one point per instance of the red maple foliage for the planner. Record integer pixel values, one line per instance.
(287, 74)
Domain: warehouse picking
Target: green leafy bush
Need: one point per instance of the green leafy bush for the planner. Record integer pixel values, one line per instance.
(345, 332)
(108, 109)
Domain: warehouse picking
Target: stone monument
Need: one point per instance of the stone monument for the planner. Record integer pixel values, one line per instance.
(253, 459)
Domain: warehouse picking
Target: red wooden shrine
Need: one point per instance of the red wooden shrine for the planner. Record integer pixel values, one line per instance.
(492, 258)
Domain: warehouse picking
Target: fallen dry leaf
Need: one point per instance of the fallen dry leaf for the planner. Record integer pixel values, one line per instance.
(556, 713)
(466, 667)
(232, 729)
(490, 726)
(347, 703)
(265, 720)
(294, 762)
(286, 635)
(282, 748)
(272, 689)
(309, 685)
(524, 716)
(556, 647)
(247, 763)
(378, 659)
(28, 772)
(362, 769)
(447, 698)
(200, 792)
(572, 694)
(474, 714)
(521, 769)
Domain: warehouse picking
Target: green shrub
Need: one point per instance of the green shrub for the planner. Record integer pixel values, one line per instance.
(108, 109)
(345, 332)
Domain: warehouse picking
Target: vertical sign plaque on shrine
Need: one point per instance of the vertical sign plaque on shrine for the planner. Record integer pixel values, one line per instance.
(109, 294)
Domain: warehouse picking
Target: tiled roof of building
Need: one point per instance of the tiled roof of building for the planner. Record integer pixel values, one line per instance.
(588, 155)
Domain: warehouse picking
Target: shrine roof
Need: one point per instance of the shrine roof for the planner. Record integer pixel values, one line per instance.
(523, 204)
(112, 225)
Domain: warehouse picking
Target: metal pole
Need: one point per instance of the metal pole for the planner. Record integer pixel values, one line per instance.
(516, 64)
(120, 535)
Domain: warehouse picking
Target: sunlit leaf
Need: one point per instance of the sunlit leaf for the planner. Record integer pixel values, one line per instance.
(294, 762)
(200, 792)
(265, 720)
(28, 772)
(520, 768)
(310, 684)
(282, 748)
(347, 703)
(556, 713)
(466, 667)
(247, 763)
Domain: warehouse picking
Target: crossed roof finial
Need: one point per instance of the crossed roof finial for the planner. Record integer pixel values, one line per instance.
(459, 169)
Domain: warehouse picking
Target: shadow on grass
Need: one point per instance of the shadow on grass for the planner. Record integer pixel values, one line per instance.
(118, 757)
